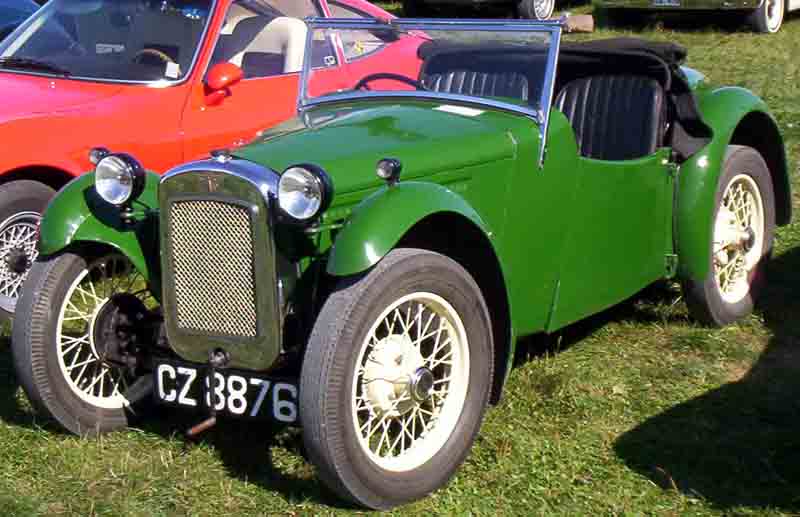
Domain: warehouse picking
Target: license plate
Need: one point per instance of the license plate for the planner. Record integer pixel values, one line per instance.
(230, 392)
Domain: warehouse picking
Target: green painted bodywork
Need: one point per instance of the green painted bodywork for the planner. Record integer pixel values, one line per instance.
(78, 216)
(572, 238)
(723, 109)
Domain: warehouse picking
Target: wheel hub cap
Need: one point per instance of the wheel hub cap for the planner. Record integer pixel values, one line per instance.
(17, 261)
(391, 375)
(421, 383)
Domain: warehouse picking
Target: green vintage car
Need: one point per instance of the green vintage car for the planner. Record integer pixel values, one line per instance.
(366, 269)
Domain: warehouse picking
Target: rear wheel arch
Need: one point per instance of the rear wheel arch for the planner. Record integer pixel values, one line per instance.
(473, 250)
(759, 131)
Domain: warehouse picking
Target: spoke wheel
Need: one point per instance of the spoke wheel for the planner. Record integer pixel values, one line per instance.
(412, 381)
(536, 9)
(768, 18)
(738, 237)
(82, 356)
(82, 327)
(741, 241)
(18, 236)
(396, 377)
(21, 205)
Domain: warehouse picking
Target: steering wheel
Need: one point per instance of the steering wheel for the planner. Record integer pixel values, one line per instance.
(362, 84)
(153, 52)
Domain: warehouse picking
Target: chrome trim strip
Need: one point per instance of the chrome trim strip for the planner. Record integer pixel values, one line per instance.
(262, 178)
(429, 96)
(548, 88)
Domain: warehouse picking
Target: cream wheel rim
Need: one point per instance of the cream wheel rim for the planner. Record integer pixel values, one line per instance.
(543, 8)
(738, 237)
(88, 376)
(410, 383)
(774, 14)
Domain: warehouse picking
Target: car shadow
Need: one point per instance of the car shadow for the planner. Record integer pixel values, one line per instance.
(737, 445)
(657, 303)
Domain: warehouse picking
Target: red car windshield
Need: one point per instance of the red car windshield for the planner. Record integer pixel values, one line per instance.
(116, 40)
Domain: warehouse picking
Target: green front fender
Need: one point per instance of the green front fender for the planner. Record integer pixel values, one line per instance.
(78, 216)
(723, 109)
(379, 222)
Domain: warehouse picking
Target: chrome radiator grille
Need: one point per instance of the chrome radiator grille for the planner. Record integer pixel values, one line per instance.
(213, 268)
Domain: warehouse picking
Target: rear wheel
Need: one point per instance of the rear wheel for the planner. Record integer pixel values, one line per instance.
(536, 9)
(21, 205)
(744, 227)
(396, 379)
(74, 341)
(768, 18)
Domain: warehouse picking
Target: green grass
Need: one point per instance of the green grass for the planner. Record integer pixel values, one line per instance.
(637, 411)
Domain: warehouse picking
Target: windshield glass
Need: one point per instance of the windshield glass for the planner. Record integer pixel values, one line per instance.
(118, 40)
(495, 62)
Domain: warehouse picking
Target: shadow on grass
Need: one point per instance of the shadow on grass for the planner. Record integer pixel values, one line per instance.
(656, 303)
(738, 445)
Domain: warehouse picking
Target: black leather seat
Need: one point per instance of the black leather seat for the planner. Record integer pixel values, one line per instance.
(615, 117)
(479, 84)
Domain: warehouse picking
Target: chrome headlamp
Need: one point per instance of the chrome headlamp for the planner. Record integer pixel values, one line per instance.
(304, 191)
(119, 178)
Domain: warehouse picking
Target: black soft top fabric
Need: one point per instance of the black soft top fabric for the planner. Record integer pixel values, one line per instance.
(659, 60)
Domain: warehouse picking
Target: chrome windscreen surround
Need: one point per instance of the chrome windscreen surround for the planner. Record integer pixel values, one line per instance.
(220, 287)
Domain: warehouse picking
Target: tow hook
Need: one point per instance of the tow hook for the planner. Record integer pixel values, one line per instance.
(218, 358)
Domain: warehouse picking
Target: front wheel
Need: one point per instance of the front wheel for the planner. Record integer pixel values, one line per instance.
(768, 18)
(396, 379)
(742, 238)
(74, 341)
(536, 9)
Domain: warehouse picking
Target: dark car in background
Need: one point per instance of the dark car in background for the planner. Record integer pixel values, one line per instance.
(530, 9)
(14, 12)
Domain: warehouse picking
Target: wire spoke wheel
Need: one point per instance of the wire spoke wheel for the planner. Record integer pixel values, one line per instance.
(411, 383)
(82, 354)
(738, 237)
(543, 8)
(17, 253)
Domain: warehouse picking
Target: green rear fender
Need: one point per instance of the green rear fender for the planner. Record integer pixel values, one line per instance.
(724, 110)
(379, 222)
(77, 217)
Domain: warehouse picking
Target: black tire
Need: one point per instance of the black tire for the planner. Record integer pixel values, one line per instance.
(615, 17)
(703, 297)
(415, 9)
(328, 372)
(526, 9)
(35, 351)
(768, 18)
(21, 205)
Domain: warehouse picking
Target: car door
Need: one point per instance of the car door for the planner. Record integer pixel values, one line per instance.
(620, 234)
(268, 44)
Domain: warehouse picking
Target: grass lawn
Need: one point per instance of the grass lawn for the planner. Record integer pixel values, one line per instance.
(638, 411)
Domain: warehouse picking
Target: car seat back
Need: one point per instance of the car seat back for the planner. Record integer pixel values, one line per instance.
(615, 117)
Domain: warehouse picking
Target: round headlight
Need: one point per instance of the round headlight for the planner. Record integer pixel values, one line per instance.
(118, 179)
(303, 191)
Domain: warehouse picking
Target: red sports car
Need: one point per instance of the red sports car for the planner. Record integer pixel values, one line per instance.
(166, 80)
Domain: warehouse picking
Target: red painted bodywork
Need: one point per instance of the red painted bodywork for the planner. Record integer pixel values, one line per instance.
(48, 125)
